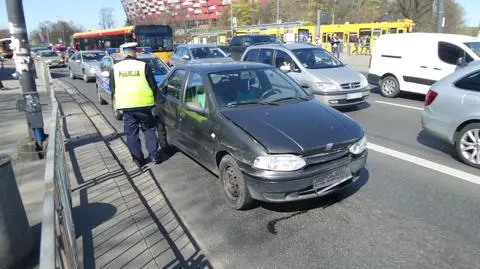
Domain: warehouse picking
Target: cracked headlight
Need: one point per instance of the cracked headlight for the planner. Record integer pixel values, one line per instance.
(280, 162)
(360, 146)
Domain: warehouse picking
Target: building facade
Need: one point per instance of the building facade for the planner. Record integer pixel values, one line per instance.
(194, 12)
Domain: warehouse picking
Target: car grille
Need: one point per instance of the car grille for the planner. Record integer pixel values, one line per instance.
(337, 151)
(352, 85)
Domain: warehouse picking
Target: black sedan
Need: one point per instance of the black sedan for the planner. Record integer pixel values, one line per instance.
(259, 131)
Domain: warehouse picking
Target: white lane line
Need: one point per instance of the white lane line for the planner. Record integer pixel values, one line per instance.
(405, 106)
(425, 163)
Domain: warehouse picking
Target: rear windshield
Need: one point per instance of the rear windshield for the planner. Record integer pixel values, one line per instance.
(264, 39)
(207, 52)
(474, 46)
(48, 54)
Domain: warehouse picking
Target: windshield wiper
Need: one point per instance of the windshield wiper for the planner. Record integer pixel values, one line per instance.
(249, 103)
(276, 101)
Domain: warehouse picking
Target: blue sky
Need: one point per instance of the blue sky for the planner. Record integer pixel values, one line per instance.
(83, 12)
(86, 12)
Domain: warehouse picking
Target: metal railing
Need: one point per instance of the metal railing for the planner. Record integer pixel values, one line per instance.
(58, 242)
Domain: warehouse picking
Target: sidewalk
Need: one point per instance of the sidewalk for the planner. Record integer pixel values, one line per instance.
(28, 173)
(122, 217)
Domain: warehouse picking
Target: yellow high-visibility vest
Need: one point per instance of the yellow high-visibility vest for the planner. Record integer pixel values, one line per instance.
(131, 86)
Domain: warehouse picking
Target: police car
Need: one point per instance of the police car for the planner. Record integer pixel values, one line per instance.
(160, 70)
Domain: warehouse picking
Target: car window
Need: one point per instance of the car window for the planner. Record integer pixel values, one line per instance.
(470, 82)
(236, 41)
(450, 53)
(315, 58)
(157, 66)
(253, 86)
(175, 82)
(48, 54)
(265, 39)
(265, 56)
(282, 58)
(251, 55)
(195, 92)
(92, 56)
(474, 46)
(207, 52)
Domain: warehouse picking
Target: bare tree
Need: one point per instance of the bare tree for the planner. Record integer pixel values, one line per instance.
(415, 9)
(106, 18)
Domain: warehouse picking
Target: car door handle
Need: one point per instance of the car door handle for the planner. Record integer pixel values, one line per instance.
(423, 66)
(436, 68)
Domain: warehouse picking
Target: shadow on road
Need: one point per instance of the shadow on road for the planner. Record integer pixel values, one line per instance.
(437, 144)
(358, 107)
(403, 95)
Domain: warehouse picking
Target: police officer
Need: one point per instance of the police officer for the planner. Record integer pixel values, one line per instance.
(133, 91)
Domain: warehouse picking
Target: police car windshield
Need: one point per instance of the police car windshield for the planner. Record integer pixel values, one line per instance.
(156, 65)
(92, 56)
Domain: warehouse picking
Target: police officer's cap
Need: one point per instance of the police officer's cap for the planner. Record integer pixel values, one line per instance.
(129, 46)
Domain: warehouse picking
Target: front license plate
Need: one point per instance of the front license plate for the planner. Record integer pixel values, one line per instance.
(356, 95)
(332, 177)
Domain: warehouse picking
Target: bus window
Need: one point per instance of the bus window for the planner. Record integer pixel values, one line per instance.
(384, 31)
(365, 32)
(393, 30)
(376, 33)
(324, 38)
(400, 31)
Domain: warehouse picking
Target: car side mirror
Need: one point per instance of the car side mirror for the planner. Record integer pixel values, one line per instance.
(461, 61)
(186, 57)
(195, 107)
(285, 68)
(105, 74)
(247, 44)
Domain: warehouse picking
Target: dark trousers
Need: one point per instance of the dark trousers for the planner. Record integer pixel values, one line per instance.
(133, 120)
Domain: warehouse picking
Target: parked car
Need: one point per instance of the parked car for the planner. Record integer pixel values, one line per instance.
(239, 44)
(196, 53)
(316, 70)
(412, 62)
(261, 133)
(85, 64)
(34, 50)
(159, 68)
(452, 112)
(51, 58)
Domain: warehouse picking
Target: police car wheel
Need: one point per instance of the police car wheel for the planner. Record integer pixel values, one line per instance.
(100, 99)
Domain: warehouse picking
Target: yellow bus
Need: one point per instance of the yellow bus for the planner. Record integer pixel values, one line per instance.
(157, 37)
(348, 33)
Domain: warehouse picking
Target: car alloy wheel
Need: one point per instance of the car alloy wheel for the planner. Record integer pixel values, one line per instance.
(389, 87)
(100, 99)
(233, 184)
(468, 144)
(85, 77)
(72, 76)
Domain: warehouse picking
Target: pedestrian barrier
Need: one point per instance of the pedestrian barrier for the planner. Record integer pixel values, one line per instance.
(58, 242)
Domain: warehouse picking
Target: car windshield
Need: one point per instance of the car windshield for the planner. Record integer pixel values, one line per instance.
(474, 46)
(35, 49)
(254, 87)
(62, 49)
(157, 66)
(207, 52)
(264, 39)
(314, 58)
(48, 54)
(92, 56)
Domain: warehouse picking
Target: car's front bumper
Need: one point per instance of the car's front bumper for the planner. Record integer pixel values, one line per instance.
(343, 98)
(280, 187)
(56, 64)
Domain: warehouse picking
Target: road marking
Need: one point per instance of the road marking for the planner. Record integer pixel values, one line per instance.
(425, 163)
(405, 106)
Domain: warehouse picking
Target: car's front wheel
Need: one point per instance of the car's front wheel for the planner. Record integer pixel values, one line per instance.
(389, 87)
(162, 136)
(467, 144)
(233, 184)
(71, 75)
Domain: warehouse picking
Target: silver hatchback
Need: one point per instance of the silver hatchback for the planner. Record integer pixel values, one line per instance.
(452, 112)
(198, 53)
(316, 70)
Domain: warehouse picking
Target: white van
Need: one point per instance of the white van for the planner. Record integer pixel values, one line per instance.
(412, 62)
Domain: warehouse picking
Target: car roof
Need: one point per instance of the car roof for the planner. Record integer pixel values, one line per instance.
(250, 35)
(192, 46)
(289, 46)
(91, 51)
(218, 67)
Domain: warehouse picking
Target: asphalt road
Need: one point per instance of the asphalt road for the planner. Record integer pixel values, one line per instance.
(399, 214)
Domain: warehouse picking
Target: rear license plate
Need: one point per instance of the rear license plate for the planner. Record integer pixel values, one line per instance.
(332, 177)
(356, 95)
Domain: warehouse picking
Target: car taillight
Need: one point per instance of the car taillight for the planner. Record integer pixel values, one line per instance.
(430, 97)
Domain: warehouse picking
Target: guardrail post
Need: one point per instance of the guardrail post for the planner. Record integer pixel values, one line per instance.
(16, 239)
